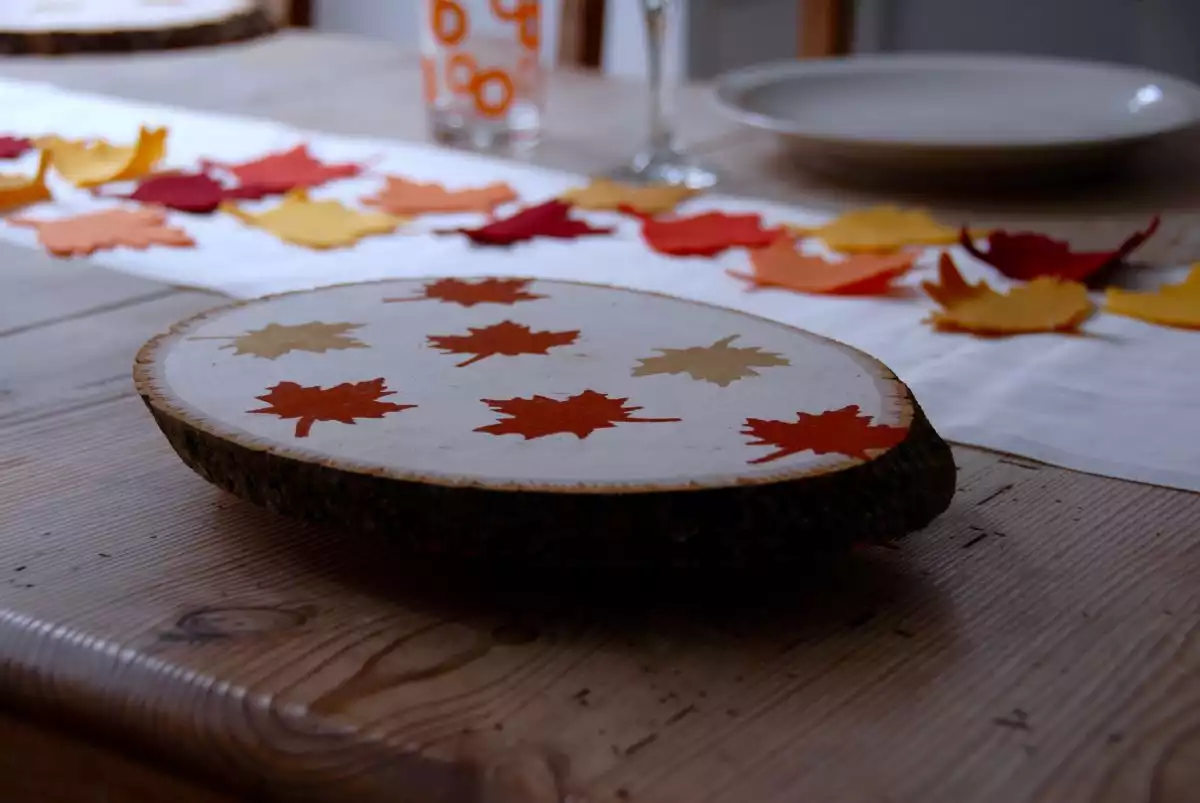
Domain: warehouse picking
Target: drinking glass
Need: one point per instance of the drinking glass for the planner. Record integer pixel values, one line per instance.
(661, 161)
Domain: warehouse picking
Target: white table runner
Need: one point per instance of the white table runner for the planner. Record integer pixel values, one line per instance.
(1121, 401)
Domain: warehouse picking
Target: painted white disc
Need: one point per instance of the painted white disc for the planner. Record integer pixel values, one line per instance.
(602, 389)
(68, 16)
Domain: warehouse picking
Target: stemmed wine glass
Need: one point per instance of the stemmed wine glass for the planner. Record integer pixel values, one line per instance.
(661, 161)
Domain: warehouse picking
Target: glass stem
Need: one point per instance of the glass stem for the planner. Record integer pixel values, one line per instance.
(661, 137)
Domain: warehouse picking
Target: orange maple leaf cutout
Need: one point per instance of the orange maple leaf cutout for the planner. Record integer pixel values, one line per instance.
(287, 170)
(86, 234)
(342, 403)
(846, 431)
(707, 234)
(781, 265)
(578, 415)
(506, 338)
(1170, 305)
(405, 198)
(466, 293)
(1044, 305)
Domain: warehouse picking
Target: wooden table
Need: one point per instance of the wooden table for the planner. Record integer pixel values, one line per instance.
(1040, 642)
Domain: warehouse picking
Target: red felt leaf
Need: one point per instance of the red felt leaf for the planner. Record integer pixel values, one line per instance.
(1027, 255)
(14, 147)
(551, 219)
(466, 293)
(846, 431)
(198, 193)
(281, 172)
(707, 234)
(507, 338)
(343, 403)
(578, 415)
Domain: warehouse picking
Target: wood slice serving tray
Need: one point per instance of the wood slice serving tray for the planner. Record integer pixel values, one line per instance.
(76, 26)
(547, 421)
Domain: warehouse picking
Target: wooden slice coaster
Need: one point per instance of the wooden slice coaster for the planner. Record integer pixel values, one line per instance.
(75, 26)
(548, 422)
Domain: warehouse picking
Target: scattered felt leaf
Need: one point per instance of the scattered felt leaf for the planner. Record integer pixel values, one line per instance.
(578, 415)
(405, 198)
(81, 235)
(1026, 255)
(781, 265)
(846, 431)
(1170, 305)
(342, 403)
(276, 339)
(721, 364)
(877, 229)
(17, 191)
(315, 224)
(286, 170)
(1044, 305)
(467, 293)
(14, 147)
(506, 338)
(706, 234)
(197, 193)
(649, 199)
(90, 163)
(551, 219)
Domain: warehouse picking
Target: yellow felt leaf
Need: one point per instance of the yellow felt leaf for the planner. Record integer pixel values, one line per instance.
(650, 199)
(1169, 305)
(881, 228)
(90, 163)
(316, 224)
(1044, 305)
(17, 191)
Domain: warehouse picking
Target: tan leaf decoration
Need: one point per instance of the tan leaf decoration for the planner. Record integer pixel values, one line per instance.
(720, 363)
(90, 163)
(315, 224)
(276, 339)
(405, 198)
(651, 199)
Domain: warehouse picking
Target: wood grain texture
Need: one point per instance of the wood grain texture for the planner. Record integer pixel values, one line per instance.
(1040, 643)
(249, 21)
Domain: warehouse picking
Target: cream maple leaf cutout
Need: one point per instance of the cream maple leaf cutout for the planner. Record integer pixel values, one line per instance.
(720, 363)
(276, 339)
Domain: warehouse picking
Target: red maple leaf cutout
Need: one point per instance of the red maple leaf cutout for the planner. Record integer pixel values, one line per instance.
(198, 193)
(1026, 255)
(846, 431)
(281, 172)
(707, 234)
(343, 403)
(551, 219)
(506, 337)
(578, 415)
(14, 147)
(468, 294)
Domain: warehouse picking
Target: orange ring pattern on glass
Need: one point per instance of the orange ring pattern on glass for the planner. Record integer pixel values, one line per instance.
(450, 21)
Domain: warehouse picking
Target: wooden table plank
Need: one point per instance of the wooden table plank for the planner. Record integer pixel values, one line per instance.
(1038, 643)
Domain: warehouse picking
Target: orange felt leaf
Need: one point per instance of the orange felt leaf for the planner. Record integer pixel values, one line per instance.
(707, 234)
(287, 170)
(405, 198)
(466, 293)
(507, 338)
(578, 415)
(342, 403)
(846, 431)
(1170, 305)
(82, 235)
(781, 265)
(1044, 305)
(17, 190)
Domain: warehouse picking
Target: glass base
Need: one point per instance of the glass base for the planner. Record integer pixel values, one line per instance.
(666, 167)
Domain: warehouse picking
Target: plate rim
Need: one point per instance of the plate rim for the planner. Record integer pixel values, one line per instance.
(730, 86)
